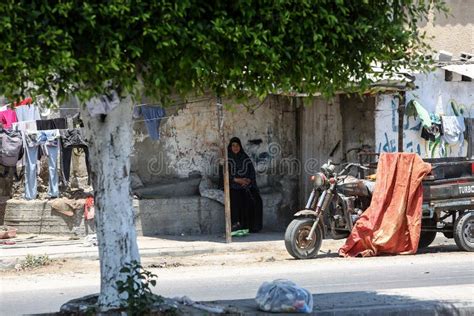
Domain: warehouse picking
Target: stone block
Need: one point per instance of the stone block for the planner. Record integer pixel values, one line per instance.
(192, 215)
(37, 217)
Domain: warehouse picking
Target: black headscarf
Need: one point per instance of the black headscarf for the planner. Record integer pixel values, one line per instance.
(229, 147)
(240, 164)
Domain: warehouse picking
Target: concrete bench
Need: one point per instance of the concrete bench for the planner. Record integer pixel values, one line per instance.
(189, 215)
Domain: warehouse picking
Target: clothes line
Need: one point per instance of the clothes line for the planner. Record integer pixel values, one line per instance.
(168, 116)
(156, 104)
(175, 115)
(151, 105)
(76, 109)
(175, 104)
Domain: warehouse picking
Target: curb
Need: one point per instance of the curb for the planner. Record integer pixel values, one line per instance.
(248, 307)
(445, 308)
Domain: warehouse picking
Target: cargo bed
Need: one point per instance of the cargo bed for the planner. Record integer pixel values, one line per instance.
(448, 202)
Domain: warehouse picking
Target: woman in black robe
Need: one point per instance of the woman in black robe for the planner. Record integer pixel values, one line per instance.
(245, 200)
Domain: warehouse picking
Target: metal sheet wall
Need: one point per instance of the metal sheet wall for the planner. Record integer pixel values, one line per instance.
(320, 133)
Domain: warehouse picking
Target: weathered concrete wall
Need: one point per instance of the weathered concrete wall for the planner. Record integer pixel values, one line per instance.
(436, 95)
(358, 124)
(454, 33)
(190, 144)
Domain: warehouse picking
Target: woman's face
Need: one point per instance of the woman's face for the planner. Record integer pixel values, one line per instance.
(235, 148)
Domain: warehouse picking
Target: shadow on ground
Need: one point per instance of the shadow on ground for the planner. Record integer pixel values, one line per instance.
(439, 248)
(264, 236)
(366, 303)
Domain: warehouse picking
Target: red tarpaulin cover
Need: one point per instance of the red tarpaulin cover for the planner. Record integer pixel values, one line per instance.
(392, 223)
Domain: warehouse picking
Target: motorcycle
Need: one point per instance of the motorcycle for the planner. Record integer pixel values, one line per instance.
(336, 202)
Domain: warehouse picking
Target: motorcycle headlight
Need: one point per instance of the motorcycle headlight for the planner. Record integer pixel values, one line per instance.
(319, 180)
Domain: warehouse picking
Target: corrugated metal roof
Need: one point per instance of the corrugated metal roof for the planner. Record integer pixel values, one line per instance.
(464, 69)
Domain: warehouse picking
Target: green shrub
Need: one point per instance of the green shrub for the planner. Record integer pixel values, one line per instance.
(139, 298)
(32, 261)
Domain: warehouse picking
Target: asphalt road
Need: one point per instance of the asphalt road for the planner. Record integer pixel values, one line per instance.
(28, 294)
(324, 276)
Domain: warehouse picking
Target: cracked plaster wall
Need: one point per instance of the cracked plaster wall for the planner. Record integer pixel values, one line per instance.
(190, 144)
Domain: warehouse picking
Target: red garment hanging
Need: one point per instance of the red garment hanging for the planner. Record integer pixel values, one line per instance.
(89, 210)
(23, 102)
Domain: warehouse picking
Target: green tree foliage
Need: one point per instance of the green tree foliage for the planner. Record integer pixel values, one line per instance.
(231, 47)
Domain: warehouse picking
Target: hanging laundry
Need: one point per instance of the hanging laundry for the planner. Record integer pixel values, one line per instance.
(10, 147)
(29, 126)
(415, 109)
(69, 123)
(435, 118)
(89, 210)
(73, 138)
(103, 104)
(152, 116)
(431, 134)
(57, 123)
(76, 121)
(23, 102)
(28, 112)
(70, 139)
(453, 133)
(49, 142)
(435, 131)
(26, 101)
(7, 118)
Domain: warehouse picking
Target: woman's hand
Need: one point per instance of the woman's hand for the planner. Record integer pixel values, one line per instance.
(243, 181)
(239, 181)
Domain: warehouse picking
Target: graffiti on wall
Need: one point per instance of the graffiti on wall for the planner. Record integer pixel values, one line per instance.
(387, 138)
(390, 140)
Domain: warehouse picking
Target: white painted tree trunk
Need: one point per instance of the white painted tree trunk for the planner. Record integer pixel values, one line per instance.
(110, 146)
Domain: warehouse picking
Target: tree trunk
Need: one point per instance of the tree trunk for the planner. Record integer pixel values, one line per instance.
(110, 145)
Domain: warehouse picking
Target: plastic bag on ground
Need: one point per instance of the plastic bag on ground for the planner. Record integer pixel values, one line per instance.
(284, 296)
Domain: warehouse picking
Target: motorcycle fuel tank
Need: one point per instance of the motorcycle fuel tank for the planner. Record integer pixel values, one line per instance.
(352, 186)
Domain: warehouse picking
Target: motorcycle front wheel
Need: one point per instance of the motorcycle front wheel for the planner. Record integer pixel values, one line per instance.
(296, 242)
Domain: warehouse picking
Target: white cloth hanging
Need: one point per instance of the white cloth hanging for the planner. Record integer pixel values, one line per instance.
(453, 133)
(25, 126)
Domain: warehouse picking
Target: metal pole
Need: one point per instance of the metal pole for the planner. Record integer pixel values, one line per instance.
(401, 115)
(220, 122)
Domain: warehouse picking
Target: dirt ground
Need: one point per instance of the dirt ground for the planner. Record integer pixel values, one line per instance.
(252, 257)
(88, 266)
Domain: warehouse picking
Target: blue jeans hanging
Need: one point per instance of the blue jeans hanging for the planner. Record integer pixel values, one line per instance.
(49, 142)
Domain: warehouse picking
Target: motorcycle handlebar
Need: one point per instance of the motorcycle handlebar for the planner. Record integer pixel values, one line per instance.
(350, 165)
